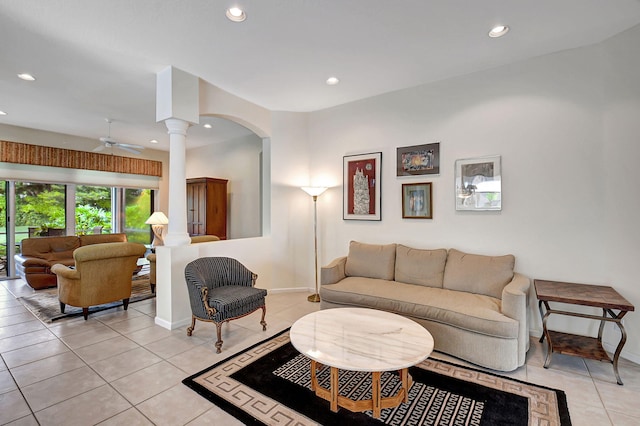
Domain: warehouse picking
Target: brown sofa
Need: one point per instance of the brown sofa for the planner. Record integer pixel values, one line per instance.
(38, 255)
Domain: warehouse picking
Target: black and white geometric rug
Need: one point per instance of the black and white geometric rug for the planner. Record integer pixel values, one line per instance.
(428, 405)
(270, 384)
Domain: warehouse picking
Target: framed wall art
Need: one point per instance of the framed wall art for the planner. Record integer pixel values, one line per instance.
(478, 184)
(418, 160)
(416, 201)
(361, 186)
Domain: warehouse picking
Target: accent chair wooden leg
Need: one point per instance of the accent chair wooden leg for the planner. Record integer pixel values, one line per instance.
(62, 306)
(193, 325)
(85, 313)
(262, 322)
(125, 303)
(219, 335)
(153, 288)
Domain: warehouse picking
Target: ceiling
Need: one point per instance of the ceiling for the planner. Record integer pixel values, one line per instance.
(95, 59)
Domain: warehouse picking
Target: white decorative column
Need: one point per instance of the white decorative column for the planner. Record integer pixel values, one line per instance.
(177, 229)
(177, 104)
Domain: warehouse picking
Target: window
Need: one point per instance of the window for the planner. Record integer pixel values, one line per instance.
(93, 209)
(3, 229)
(40, 210)
(137, 210)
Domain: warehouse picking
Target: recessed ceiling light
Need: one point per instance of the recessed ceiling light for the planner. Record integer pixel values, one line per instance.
(498, 31)
(207, 126)
(3, 113)
(236, 14)
(153, 141)
(26, 77)
(332, 81)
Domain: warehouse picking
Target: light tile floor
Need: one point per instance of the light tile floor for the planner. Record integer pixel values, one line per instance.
(120, 368)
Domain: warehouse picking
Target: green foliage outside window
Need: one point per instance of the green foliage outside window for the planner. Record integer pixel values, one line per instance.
(137, 211)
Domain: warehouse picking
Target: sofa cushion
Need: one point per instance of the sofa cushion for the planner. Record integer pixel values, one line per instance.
(478, 274)
(89, 239)
(422, 267)
(371, 260)
(43, 247)
(469, 311)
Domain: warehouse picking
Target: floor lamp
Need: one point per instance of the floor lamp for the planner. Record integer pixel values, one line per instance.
(315, 191)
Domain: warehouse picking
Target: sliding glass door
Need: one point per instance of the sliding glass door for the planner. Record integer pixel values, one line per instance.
(4, 240)
(137, 209)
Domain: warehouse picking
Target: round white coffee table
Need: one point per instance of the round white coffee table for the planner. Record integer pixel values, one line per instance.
(360, 339)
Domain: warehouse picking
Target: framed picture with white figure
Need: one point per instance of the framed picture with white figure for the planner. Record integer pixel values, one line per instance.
(361, 186)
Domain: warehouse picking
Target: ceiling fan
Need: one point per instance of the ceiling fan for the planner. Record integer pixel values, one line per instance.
(109, 142)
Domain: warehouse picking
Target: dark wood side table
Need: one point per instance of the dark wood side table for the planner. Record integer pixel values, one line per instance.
(598, 296)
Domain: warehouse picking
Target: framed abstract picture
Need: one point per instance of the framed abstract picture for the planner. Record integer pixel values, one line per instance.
(418, 160)
(416, 201)
(361, 186)
(478, 184)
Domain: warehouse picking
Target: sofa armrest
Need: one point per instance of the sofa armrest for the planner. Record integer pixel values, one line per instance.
(515, 304)
(333, 272)
(31, 261)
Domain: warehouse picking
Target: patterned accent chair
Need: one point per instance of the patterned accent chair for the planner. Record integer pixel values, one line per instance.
(222, 289)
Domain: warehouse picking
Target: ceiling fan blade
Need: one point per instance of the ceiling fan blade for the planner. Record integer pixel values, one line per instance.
(130, 145)
(99, 148)
(107, 139)
(126, 148)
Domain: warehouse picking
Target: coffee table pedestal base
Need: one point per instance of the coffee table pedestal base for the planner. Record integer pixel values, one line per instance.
(376, 403)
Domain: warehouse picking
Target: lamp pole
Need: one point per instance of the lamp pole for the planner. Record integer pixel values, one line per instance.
(316, 296)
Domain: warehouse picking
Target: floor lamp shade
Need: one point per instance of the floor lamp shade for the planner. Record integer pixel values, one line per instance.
(315, 191)
(157, 221)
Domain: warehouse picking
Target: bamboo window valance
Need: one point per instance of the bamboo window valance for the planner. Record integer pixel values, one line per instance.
(36, 155)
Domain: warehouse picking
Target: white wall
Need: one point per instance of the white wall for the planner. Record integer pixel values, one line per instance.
(238, 161)
(291, 208)
(621, 153)
(545, 117)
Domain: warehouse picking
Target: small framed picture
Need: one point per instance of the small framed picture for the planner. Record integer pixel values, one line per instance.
(361, 186)
(416, 201)
(418, 160)
(479, 184)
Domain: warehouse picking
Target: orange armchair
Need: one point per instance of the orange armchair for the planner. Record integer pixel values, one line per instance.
(103, 274)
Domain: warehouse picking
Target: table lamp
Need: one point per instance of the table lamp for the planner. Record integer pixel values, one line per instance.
(157, 221)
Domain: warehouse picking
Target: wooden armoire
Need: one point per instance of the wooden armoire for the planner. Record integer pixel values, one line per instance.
(207, 207)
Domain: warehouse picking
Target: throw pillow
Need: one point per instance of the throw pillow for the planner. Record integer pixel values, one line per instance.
(422, 267)
(371, 260)
(478, 274)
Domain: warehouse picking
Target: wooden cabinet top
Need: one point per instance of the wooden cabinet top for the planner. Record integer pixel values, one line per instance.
(207, 179)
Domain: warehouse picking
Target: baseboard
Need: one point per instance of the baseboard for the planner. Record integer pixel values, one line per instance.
(172, 325)
(290, 290)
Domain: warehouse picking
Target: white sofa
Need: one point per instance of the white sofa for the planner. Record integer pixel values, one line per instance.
(475, 306)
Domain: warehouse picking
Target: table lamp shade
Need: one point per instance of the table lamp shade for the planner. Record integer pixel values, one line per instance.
(157, 218)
